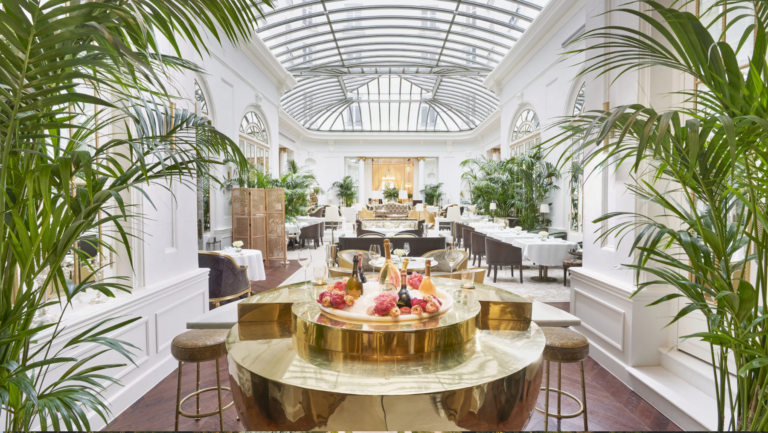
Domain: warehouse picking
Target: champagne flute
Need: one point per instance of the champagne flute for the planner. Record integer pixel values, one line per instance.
(305, 258)
(407, 249)
(453, 257)
(374, 252)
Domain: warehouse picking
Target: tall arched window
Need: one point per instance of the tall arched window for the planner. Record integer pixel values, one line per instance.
(201, 106)
(254, 140)
(576, 186)
(526, 133)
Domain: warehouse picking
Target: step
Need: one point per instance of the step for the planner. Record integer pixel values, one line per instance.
(689, 407)
(689, 368)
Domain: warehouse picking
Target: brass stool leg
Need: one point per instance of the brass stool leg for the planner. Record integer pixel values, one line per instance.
(560, 387)
(178, 398)
(546, 402)
(584, 396)
(198, 389)
(218, 386)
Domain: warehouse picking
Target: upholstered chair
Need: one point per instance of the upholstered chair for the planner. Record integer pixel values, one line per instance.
(312, 232)
(498, 253)
(478, 247)
(319, 213)
(365, 214)
(466, 238)
(226, 280)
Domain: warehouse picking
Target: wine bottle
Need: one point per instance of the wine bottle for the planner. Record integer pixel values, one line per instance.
(354, 285)
(360, 270)
(427, 287)
(403, 297)
(389, 276)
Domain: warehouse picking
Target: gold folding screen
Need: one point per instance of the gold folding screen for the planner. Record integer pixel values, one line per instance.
(258, 220)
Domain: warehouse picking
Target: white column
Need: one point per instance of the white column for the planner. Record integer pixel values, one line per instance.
(283, 160)
(361, 180)
(422, 177)
(496, 154)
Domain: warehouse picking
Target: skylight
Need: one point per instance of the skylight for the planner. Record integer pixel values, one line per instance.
(402, 65)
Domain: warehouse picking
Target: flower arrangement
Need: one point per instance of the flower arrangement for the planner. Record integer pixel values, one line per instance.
(543, 235)
(414, 280)
(518, 229)
(238, 245)
(399, 252)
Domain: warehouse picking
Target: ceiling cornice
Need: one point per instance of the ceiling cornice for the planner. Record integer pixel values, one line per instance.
(550, 21)
(258, 52)
(288, 122)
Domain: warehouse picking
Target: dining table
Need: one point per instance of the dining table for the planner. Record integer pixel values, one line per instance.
(510, 235)
(251, 258)
(545, 253)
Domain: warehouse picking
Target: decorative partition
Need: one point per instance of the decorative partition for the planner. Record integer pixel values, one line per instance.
(258, 220)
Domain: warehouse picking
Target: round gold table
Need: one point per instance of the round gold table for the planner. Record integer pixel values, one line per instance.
(476, 367)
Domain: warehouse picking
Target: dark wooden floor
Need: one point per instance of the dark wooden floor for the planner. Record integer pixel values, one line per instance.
(611, 405)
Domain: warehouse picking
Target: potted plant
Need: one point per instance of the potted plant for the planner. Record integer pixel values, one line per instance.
(103, 55)
(391, 194)
(703, 170)
(432, 193)
(346, 190)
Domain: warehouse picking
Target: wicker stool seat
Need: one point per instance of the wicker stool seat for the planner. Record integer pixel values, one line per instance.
(567, 264)
(200, 345)
(564, 346)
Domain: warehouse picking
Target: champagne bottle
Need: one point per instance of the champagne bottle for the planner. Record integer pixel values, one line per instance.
(389, 276)
(403, 297)
(427, 287)
(354, 285)
(360, 270)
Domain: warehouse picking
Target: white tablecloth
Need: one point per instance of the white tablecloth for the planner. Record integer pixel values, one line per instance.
(545, 253)
(511, 236)
(485, 226)
(251, 258)
(443, 233)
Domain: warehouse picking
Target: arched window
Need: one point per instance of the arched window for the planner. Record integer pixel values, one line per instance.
(576, 182)
(526, 133)
(201, 106)
(254, 140)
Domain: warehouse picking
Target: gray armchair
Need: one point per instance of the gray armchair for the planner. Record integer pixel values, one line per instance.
(226, 280)
(313, 232)
(498, 253)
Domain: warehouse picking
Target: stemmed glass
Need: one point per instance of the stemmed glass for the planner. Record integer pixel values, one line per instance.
(305, 258)
(407, 249)
(453, 257)
(374, 252)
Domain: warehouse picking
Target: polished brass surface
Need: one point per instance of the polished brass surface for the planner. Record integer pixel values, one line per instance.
(477, 367)
(447, 331)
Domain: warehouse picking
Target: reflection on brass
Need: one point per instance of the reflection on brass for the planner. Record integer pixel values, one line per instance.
(252, 331)
(477, 367)
(502, 325)
(248, 312)
(435, 334)
(494, 387)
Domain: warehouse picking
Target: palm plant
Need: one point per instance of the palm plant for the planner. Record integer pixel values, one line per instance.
(391, 193)
(299, 183)
(702, 169)
(432, 193)
(65, 174)
(346, 190)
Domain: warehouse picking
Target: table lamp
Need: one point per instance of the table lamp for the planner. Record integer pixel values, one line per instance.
(403, 195)
(543, 209)
(493, 207)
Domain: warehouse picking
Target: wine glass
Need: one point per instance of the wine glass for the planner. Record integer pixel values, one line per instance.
(466, 278)
(305, 258)
(407, 248)
(374, 252)
(453, 257)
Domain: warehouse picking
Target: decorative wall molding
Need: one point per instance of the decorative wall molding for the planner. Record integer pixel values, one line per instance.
(618, 319)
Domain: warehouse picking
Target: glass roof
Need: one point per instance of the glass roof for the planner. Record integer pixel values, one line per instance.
(402, 65)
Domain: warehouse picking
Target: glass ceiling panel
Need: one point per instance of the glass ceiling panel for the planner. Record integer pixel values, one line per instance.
(398, 65)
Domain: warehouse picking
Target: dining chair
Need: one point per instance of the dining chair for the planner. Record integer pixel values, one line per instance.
(478, 247)
(443, 267)
(226, 279)
(498, 253)
(466, 237)
(406, 235)
(311, 232)
(371, 235)
(478, 275)
(346, 257)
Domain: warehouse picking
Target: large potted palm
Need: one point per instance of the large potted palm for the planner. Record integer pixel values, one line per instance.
(60, 60)
(346, 190)
(432, 193)
(702, 169)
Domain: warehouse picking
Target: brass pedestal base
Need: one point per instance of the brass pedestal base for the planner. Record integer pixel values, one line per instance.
(543, 276)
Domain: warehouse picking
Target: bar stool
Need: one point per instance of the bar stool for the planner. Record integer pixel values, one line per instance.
(200, 345)
(564, 346)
